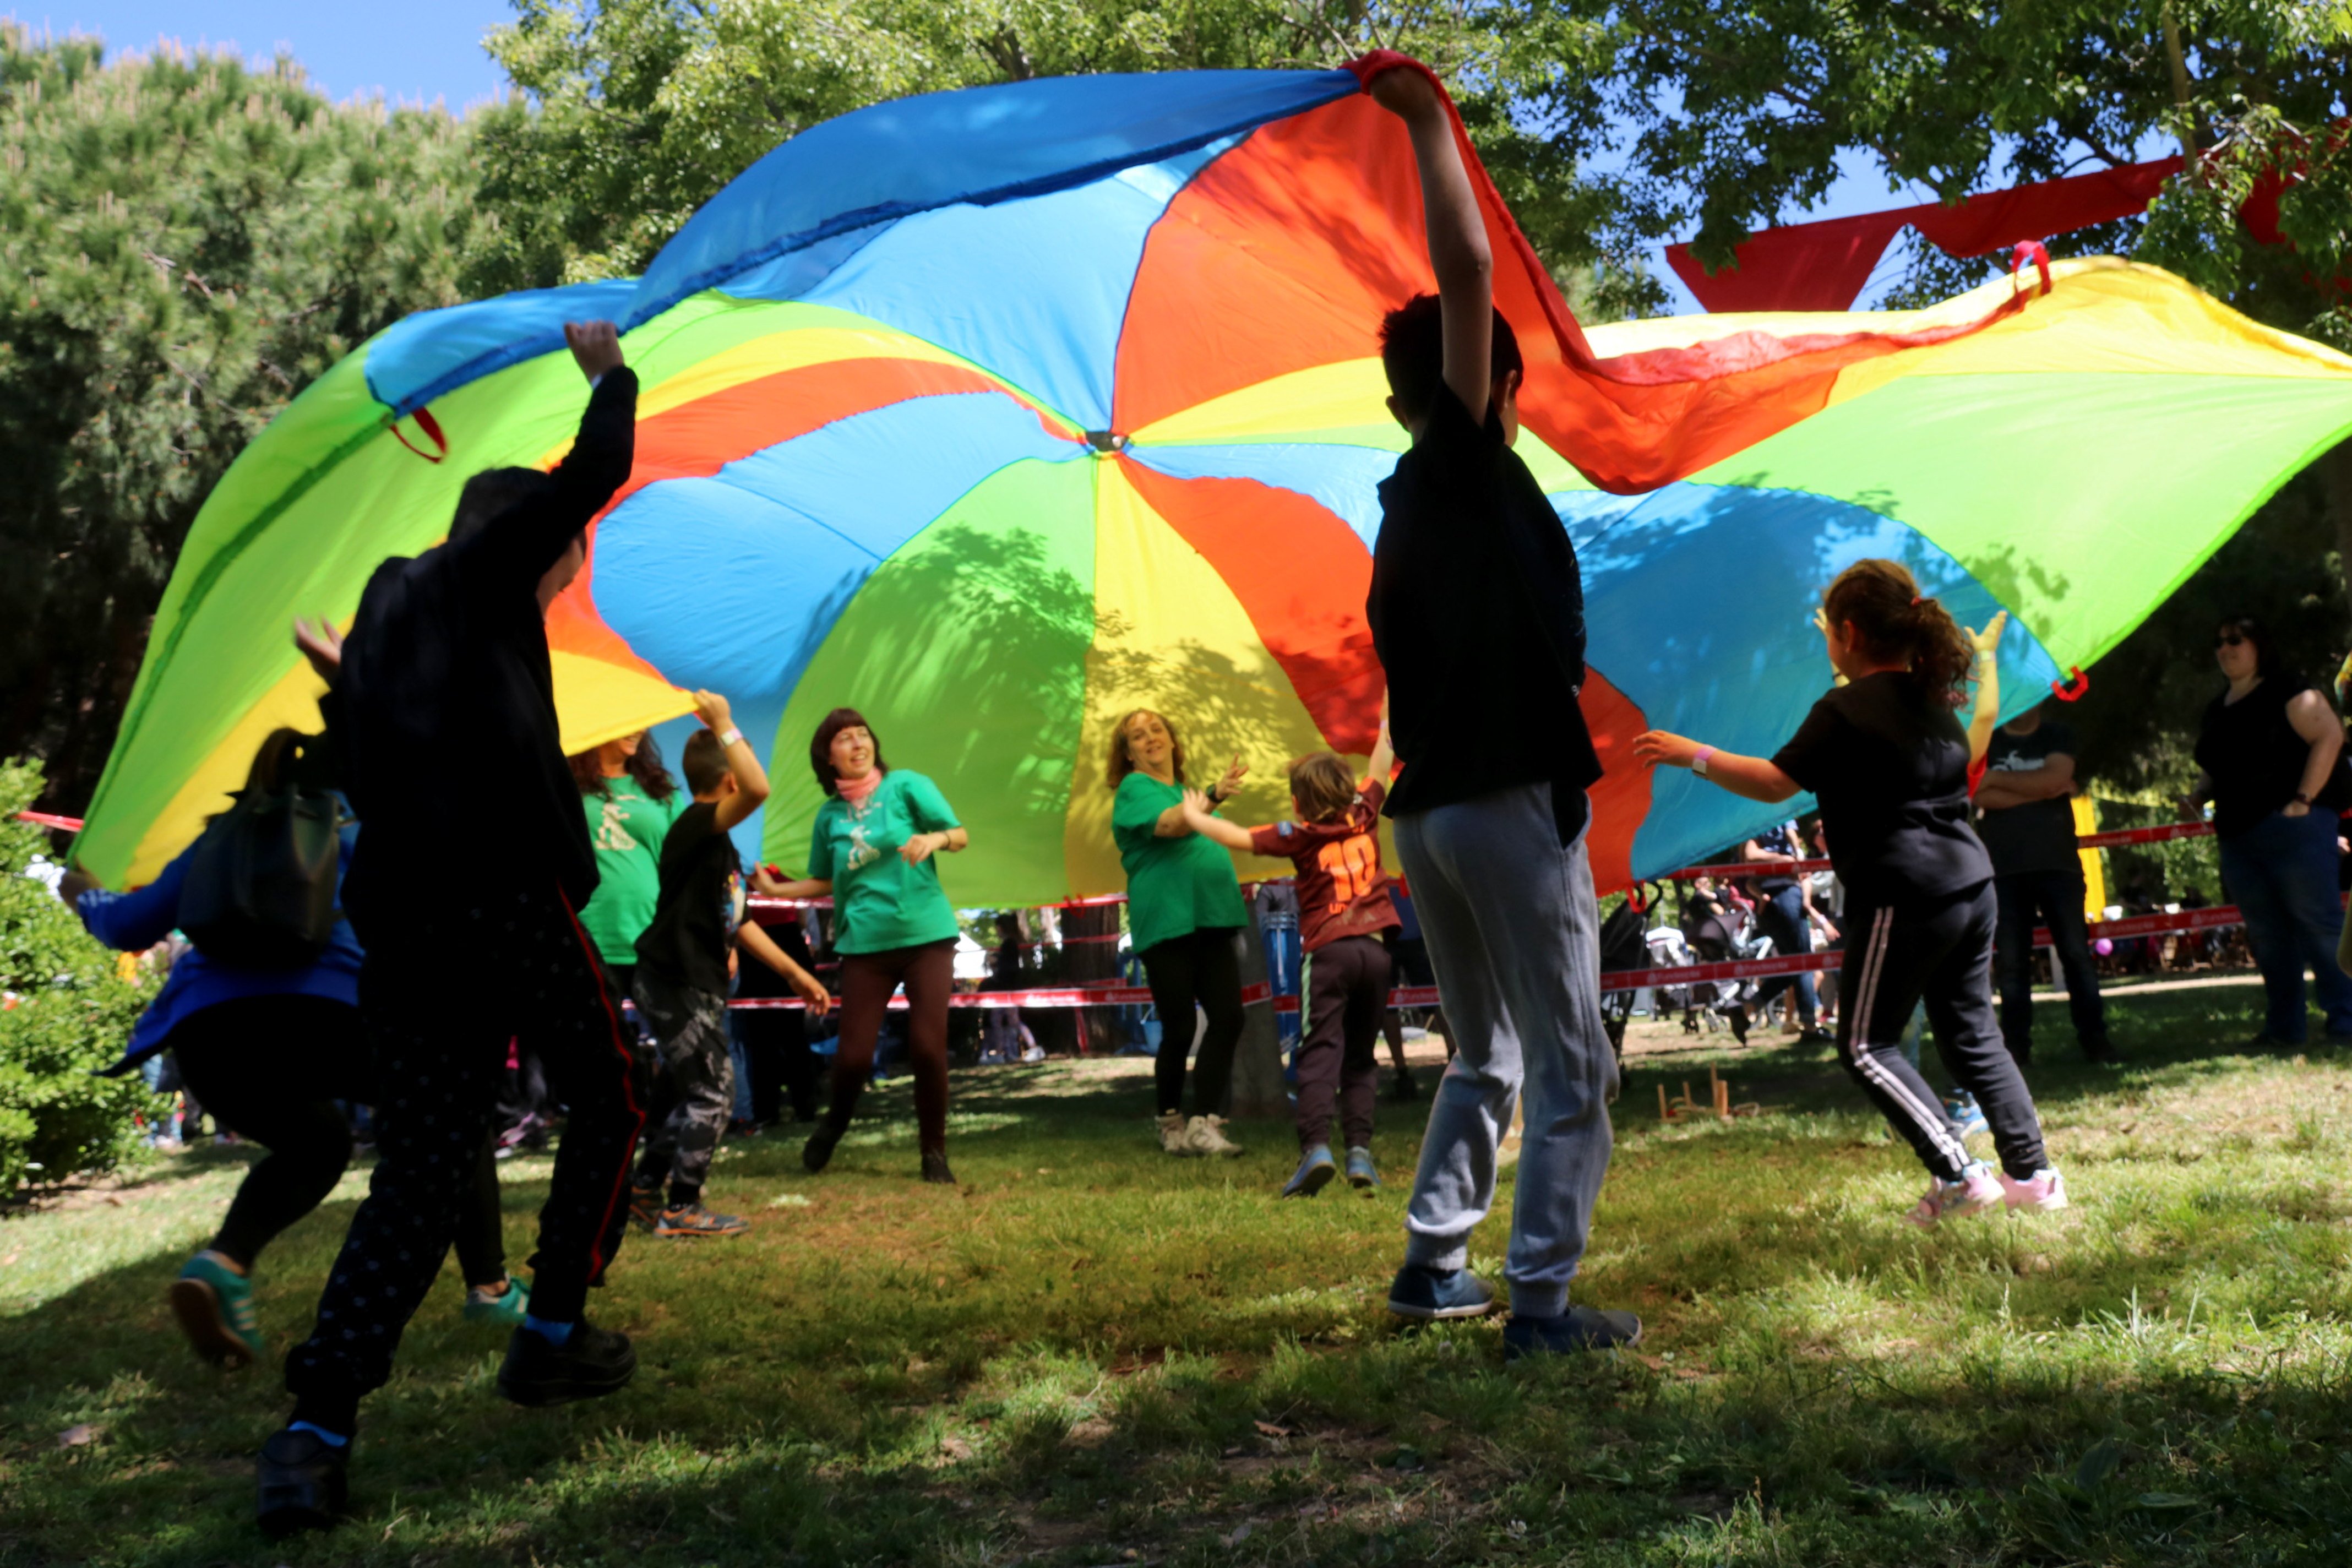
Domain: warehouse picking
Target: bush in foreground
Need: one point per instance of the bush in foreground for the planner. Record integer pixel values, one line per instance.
(66, 1015)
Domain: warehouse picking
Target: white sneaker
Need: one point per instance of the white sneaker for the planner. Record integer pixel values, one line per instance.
(1206, 1135)
(2045, 1191)
(1172, 1131)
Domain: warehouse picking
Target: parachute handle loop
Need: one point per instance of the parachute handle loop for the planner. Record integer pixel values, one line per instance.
(2036, 252)
(432, 428)
(2072, 689)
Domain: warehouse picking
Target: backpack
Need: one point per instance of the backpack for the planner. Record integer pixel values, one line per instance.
(260, 888)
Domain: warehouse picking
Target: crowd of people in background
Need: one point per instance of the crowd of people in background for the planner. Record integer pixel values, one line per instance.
(583, 968)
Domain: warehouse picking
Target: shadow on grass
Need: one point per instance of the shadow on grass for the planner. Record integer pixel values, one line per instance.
(1091, 1351)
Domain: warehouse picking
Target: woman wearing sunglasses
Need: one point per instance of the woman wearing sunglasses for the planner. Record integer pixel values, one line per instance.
(2267, 758)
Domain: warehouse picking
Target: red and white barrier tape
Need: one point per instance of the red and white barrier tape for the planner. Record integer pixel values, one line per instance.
(1043, 996)
(2116, 838)
(1613, 980)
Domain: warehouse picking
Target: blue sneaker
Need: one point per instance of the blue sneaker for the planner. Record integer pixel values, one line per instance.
(1578, 1329)
(1432, 1294)
(1967, 1115)
(1362, 1174)
(1314, 1173)
(215, 1305)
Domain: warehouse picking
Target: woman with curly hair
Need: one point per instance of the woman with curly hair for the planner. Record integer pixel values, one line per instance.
(1888, 758)
(1185, 915)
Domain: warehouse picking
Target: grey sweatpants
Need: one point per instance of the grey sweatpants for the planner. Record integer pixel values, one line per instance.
(1514, 936)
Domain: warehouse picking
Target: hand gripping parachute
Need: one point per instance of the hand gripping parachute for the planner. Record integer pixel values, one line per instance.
(996, 413)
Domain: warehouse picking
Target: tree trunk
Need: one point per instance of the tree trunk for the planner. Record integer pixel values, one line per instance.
(1088, 1031)
(2335, 475)
(1258, 1090)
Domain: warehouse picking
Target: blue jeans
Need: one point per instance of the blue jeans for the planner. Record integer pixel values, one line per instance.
(2282, 872)
(1781, 917)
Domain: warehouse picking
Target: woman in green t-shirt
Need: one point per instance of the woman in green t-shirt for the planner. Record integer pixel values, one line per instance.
(1184, 913)
(631, 801)
(873, 850)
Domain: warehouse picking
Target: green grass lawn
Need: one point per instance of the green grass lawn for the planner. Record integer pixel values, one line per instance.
(1090, 1353)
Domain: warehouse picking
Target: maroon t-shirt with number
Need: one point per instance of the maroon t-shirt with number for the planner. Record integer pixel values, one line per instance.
(1342, 892)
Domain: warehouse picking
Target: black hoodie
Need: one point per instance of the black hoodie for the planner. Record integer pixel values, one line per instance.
(445, 711)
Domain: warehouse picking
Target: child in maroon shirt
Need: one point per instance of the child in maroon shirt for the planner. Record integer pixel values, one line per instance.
(1343, 907)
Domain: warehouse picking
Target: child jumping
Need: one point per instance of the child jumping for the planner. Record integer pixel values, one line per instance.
(1886, 756)
(682, 977)
(1343, 909)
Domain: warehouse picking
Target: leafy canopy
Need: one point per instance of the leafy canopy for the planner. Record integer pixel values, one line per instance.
(636, 111)
(184, 245)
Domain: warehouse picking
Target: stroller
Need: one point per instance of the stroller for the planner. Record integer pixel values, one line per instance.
(1717, 924)
(1624, 944)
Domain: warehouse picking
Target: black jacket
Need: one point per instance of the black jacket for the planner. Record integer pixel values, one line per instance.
(445, 711)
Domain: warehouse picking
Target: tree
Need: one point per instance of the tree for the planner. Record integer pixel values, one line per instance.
(638, 111)
(1729, 118)
(185, 244)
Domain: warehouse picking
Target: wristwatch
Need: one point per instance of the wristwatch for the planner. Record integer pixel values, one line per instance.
(728, 736)
(2301, 798)
(1699, 760)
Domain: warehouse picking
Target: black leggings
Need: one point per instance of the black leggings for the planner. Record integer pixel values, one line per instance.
(1938, 951)
(867, 981)
(270, 1070)
(1200, 967)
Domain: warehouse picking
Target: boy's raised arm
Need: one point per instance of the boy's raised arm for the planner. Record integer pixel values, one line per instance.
(527, 539)
(1459, 248)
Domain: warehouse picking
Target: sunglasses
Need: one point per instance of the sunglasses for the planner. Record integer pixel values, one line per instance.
(2230, 639)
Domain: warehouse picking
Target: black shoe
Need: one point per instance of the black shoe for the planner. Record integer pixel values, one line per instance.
(592, 1362)
(302, 1483)
(1403, 1087)
(1578, 1329)
(1738, 1013)
(935, 1167)
(817, 1152)
(2100, 1054)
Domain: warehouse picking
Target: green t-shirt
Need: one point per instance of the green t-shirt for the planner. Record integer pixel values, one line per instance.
(1174, 886)
(879, 901)
(627, 826)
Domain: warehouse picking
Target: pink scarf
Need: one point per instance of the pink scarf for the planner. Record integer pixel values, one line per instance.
(857, 791)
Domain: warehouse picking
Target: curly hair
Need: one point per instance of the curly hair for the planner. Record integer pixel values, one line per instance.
(644, 765)
(1120, 764)
(1893, 621)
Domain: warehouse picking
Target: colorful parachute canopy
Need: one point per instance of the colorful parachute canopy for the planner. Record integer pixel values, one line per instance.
(996, 414)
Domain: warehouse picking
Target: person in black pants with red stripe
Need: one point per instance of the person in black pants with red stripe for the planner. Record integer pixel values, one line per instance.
(466, 910)
(1889, 762)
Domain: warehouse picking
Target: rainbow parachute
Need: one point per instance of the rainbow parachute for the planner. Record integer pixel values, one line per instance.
(996, 413)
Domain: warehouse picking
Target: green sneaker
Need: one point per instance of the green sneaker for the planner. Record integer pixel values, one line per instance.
(509, 1307)
(215, 1305)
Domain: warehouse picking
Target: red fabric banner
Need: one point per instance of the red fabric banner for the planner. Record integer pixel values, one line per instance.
(1825, 266)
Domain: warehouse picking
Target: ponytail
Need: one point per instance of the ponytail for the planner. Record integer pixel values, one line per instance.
(1893, 621)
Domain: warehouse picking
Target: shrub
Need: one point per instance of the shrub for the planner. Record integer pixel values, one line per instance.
(66, 1013)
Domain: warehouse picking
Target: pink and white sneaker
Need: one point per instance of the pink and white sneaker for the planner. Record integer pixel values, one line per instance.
(1975, 1192)
(2046, 1191)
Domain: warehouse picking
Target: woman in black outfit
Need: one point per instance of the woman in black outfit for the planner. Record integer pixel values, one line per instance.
(2266, 758)
(1889, 762)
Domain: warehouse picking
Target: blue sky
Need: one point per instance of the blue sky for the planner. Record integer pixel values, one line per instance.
(416, 50)
(420, 50)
